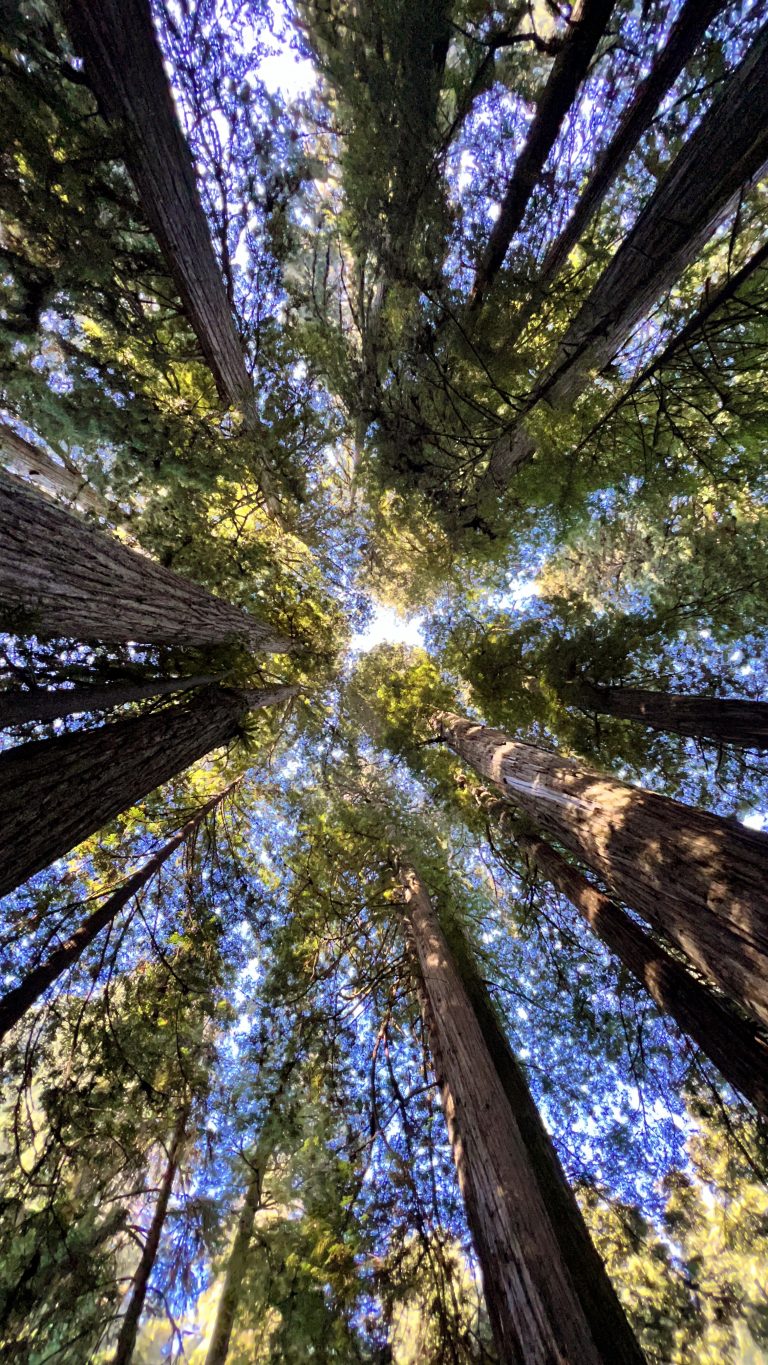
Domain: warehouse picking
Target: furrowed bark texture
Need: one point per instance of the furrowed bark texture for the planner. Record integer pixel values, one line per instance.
(129, 1327)
(56, 792)
(67, 579)
(532, 1300)
(735, 1046)
(15, 1003)
(40, 704)
(597, 1296)
(684, 37)
(32, 462)
(587, 25)
(727, 151)
(699, 878)
(727, 720)
(124, 67)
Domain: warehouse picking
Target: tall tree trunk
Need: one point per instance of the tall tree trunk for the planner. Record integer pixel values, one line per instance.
(126, 1341)
(587, 22)
(726, 720)
(32, 462)
(40, 704)
(694, 330)
(124, 67)
(727, 151)
(735, 1046)
(684, 37)
(545, 1304)
(56, 792)
(226, 1312)
(63, 578)
(699, 878)
(15, 1003)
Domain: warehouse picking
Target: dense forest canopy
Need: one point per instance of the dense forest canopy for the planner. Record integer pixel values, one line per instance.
(383, 682)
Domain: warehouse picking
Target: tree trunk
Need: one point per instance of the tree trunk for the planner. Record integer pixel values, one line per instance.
(685, 35)
(40, 704)
(32, 462)
(56, 792)
(534, 1296)
(587, 22)
(693, 331)
(226, 1312)
(61, 578)
(727, 151)
(724, 720)
(124, 67)
(15, 1003)
(700, 879)
(734, 1045)
(129, 1327)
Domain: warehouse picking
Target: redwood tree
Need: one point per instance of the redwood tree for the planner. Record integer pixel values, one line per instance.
(56, 792)
(729, 720)
(42, 704)
(735, 1045)
(699, 878)
(548, 1296)
(726, 152)
(63, 578)
(15, 1003)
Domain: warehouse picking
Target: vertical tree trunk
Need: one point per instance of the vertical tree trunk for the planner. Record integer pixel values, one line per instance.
(542, 1309)
(63, 578)
(32, 462)
(129, 1327)
(685, 35)
(56, 792)
(15, 1003)
(226, 1312)
(726, 720)
(734, 1045)
(588, 21)
(727, 151)
(699, 878)
(124, 67)
(40, 704)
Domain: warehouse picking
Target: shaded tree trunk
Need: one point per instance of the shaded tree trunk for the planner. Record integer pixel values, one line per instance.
(545, 1304)
(56, 792)
(734, 1045)
(226, 1312)
(126, 1341)
(218, 1349)
(727, 151)
(587, 22)
(700, 879)
(684, 37)
(32, 462)
(726, 720)
(60, 577)
(15, 1003)
(41, 704)
(124, 67)
(693, 331)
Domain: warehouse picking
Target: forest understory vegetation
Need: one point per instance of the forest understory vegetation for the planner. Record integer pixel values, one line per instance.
(384, 682)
